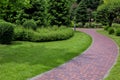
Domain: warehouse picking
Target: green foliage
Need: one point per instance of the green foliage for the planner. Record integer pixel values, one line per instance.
(38, 12)
(109, 10)
(6, 32)
(43, 34)
(30, 24)
(111, 30)
(1, 20)
(90, 25)
(102, 16)
(9, 9)
(117, 32)
(91, 4)
(72, 24)
(79, 25)
(23, 34)
(81, 13)
(96, 25)
(59, 12)
(106, 28)
(115, 25)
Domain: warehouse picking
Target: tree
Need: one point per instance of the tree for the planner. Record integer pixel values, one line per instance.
(110, 9)
(81, 13)
(9, 9)
(59, 12)
(37, 12)
(91, 4)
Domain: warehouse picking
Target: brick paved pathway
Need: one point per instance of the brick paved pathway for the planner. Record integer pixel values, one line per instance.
(93, 64)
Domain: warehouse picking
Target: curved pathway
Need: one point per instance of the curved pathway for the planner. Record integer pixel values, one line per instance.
(93, 64)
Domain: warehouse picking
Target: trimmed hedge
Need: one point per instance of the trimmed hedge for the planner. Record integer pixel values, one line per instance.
(111, 30)
(43, 34)
(117, 31)
(106, 28)
(6, 32)
(30, 24)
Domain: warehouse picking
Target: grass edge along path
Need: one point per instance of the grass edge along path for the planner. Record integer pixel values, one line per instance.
(23, 60)
(114, 73)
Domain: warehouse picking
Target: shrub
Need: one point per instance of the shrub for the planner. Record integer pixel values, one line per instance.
(89, 25)
(116, 25)
(22, 34)
(79, 25)
(111, 30)
(106, 28)
(2, 20)
(6, 32)
(97, 25)
(117, 31)
(86, 25)
(49, 34)
(55, 27)
(30, 24)
(72, 24)
(43, 34)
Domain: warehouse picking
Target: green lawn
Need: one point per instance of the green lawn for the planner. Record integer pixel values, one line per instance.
(115, 72)
(23, 60)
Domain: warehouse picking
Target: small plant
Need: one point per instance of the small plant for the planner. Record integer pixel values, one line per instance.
(111, 30)
(6, 32)
(117, 31)
(30, 24)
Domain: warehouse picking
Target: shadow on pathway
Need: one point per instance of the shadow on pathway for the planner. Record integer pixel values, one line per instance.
(93, 64)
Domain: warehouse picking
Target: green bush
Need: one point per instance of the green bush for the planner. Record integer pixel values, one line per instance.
(111, 30)
(93, 25)
(97, 25)
(50, 34)
(43, 34)
(106, 28)
(117, 32)
(89, 25)
(6, 32)
(22, 34)
(115, 25)
(1, 20)
(72, 24)
(55, 27)
(79, 25)
(30, 24)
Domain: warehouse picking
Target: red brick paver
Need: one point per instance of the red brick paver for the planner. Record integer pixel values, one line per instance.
(93, 64)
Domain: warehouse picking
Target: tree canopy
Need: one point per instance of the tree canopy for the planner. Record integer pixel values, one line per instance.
(108, 11)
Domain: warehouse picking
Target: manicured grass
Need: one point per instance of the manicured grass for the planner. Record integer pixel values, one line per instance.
(115, 72)
(23, 60)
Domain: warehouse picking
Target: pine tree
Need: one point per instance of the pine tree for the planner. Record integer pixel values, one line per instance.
(59, 12)
(81, 13)
(37, 11)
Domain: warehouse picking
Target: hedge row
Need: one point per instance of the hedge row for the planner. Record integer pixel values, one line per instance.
(30, 32)
(42, 34)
